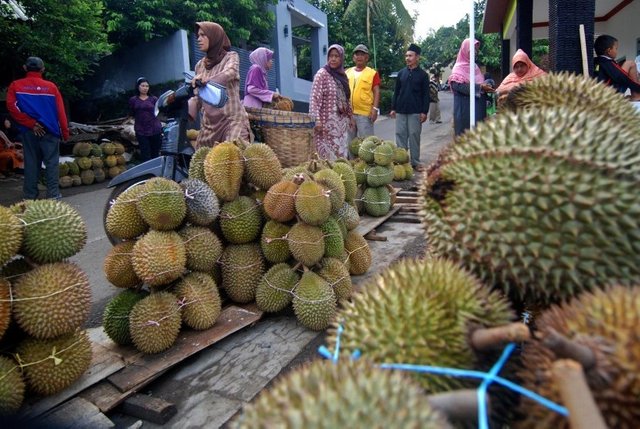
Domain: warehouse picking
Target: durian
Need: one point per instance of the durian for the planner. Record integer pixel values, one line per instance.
(202, 204)
(159, 257)
(118, 266)
(199, 296)
(115, 319)
(203, 248)
(162, 204)
(11, 387)
(242, 268)
(275, 289)
(314, 302)
(418, 312)
(155, 322)
(224, 169)
(11, 233)
(123, 219)
(240, 220)
(262, 166)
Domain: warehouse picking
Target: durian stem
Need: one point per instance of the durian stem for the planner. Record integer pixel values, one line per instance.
(564, 348)
(570, 380)
(485, 339)
(459, 406)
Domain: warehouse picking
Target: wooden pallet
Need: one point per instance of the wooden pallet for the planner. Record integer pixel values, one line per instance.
(118, 372)
(410, 207)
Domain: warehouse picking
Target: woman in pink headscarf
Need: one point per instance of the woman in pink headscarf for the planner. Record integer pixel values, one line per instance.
(330, 106)
(256, 89)
(460, 85)
(524, 70)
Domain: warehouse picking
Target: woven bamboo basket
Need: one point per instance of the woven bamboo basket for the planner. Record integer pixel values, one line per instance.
(289, 134)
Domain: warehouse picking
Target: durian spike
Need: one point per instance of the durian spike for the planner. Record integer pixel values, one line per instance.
(489, 338)
(459, 406)
(564, 348)
(571, 382)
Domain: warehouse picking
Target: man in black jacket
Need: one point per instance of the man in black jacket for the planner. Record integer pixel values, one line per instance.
(410, 105)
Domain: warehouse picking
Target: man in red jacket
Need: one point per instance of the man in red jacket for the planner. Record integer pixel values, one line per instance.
(37, 107)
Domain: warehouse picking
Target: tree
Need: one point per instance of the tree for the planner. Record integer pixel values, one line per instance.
(382, 9)
(69, 36)
(131, 22)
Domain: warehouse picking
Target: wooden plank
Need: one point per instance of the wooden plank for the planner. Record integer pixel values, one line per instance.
(406, 200)
(371, 235)
(104, 362)
(149, 408)
(410, 208)
(77, 413)
(146, 367)
(403, 193)
(369, 223)
(407, 219)
(104, 395)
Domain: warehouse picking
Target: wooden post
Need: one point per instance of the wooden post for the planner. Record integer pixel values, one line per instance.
(583, 50)
(484, 339)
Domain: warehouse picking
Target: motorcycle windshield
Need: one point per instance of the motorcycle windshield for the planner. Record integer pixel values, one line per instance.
(214, 94)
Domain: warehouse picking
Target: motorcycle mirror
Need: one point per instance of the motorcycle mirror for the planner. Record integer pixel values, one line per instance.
(163, 101)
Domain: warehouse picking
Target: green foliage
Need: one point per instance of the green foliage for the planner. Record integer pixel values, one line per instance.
(130, 22)
(69, 36)
(385, 100)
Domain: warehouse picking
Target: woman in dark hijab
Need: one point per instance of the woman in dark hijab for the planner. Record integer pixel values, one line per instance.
(330, 107)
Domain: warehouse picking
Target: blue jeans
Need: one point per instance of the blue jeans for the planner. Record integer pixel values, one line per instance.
(38, 150)
(149, 146)
(408, 130)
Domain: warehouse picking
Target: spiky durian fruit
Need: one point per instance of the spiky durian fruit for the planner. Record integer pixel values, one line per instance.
(196, 165)
(337, 275)
(379, 176)
(367, 149)
(241, 220)
(537, 205)
(574, 91)
(202, 204)
(154, 322)
(275, 289)
(383, 154)
(53, 365)
(123, 219)
(360, 168)
(377, 201)
(53, 230)
(203, 248)
(52, 300)
(428, 305)
(159, 257)
(273, 242)
(199, 296)
(11, 233)
(313, 204)
(279, 202)
(11, 387)
(606, 322)
(224, 169)
(306, 243)
(162, 204)
(5, 307)
(348, 177)
(333, 183)
(118, 266)
(333, 238)
(242, 268)
(349, 215)
(359, 253)
(399, 172)
(262, 166)
(354, 145)
(314, 302)
(115, 319)
(357, 393)
(400, 155)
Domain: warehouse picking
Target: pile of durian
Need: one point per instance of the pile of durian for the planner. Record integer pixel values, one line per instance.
(93, 163)
(377, 163)
(536, 209)
(44, 301)
(236, 226)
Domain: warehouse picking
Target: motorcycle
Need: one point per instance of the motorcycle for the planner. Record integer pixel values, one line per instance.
(175, 151)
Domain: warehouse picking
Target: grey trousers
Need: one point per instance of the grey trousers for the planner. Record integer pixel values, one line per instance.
(364, 127)
(408, 129)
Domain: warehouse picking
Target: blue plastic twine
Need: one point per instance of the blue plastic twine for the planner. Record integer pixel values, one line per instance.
(487, 378)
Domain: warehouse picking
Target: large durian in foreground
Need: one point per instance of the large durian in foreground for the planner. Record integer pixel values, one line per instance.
(574, 91)
(346, 394)
(606, 322)
(419, 312)
(543, 204)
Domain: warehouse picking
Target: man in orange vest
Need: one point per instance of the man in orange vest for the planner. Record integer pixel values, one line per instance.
(364, 83)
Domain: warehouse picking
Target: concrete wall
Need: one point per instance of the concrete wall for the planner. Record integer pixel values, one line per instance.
(159, 60)
(290, 14)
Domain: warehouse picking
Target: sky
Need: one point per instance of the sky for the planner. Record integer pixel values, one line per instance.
(436, 13)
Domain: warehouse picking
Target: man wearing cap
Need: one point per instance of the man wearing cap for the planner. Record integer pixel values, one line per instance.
(364, 83)
(37, 107)
(410, 104)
